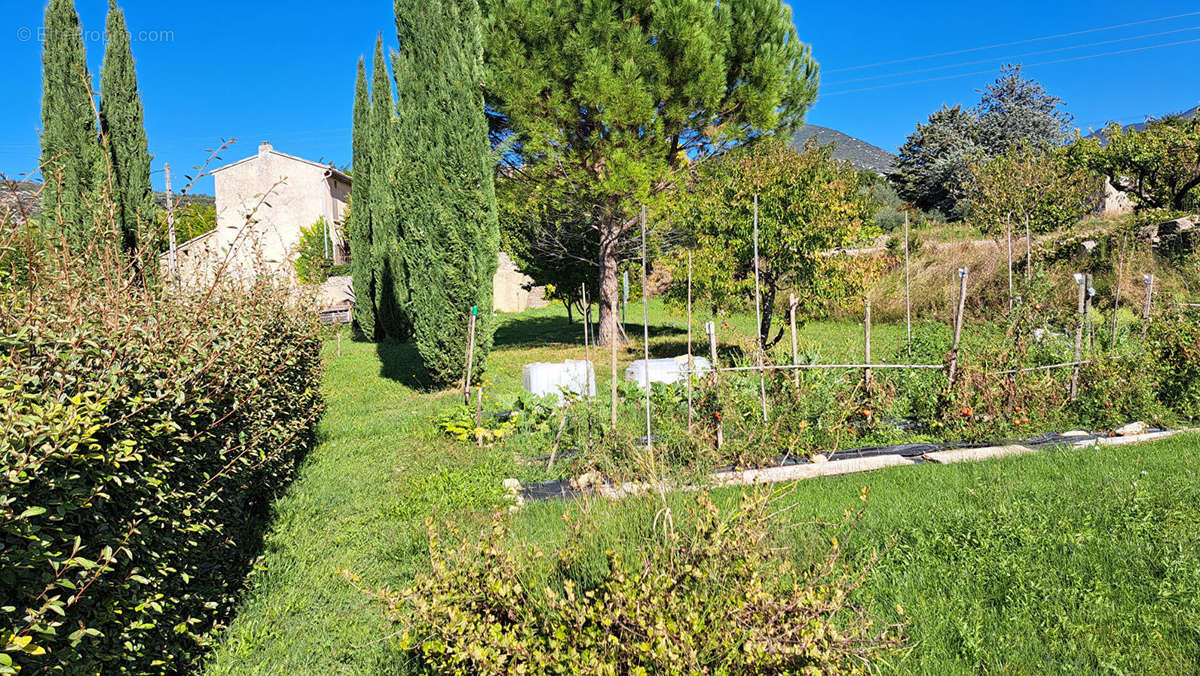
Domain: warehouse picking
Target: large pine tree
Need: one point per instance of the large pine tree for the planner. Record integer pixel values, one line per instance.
(71, 159)
(359, 227)
(123, 122)
(444, 171)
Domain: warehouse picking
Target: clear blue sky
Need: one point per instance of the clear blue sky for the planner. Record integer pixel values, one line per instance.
(284, 71)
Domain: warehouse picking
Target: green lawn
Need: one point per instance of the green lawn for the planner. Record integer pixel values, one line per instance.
(1065, 561)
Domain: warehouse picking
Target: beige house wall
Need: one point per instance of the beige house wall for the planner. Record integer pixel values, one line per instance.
(513, 291)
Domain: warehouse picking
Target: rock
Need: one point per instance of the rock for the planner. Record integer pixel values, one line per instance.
(1088, 245)
(1077, 433)
(1131, 429)
(820, 458)
(585, 480)
(512, 486)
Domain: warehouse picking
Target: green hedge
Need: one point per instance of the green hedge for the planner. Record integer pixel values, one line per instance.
(142, 441)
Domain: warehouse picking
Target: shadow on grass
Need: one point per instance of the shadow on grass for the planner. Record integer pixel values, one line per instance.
(400, 362)
(521, 331)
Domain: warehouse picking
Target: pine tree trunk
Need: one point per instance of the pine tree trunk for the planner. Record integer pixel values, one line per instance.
(609, 297)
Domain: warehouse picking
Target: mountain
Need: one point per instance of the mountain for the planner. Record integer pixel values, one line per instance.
(861, 154)
(1187, 114)
(26, 194)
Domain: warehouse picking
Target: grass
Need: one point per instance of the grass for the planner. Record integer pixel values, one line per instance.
(1070, 560)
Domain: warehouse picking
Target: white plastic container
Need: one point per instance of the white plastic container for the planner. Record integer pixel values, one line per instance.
(665, 370)
(573, 375)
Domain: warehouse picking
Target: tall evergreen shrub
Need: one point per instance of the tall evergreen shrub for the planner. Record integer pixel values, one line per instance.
(359, 227)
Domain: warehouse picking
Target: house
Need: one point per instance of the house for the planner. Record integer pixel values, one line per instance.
(265, 201)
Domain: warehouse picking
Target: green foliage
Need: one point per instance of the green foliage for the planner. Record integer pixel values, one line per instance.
(1158, 166)
(71, 163)
(1175, 344)
(933, 165)
(141, 444)
(718, 596)
(191, 220)
(312, 264)
(443, 177)
(358, 228)
(597, 107)
(122, 122)
(808, 204)
(1027, 183)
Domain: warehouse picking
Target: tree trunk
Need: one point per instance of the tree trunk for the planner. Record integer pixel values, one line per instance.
(609, 298)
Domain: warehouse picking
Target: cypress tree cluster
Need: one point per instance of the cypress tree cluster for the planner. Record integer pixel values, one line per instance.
(96, 169)
(122, 121)
(71, 159)
(358, 229)
(433, 233)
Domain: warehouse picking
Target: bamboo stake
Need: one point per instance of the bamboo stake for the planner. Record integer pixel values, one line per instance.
(689, 343)
(958, 326)
(907, 289)
(1149, 280)
(793, 301)
(711, 329)
(1081, 280)
(613, 364)
(470, 356)
(1117, 293)
(1008, 234)
(762, 376)
(1028, 252)
(867, 349)
(646, 331)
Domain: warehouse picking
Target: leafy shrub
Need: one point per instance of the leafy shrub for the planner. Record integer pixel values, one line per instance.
(311, 263)
(1174, 340)
(717, 597)
(143, 435)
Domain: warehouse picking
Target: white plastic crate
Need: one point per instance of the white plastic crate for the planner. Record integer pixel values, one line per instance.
(574, 375)
(665, 370)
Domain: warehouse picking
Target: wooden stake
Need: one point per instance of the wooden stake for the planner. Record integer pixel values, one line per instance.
(711, 329)
(958, 326)
(587, 349)
(470, 356)
(1149, 280)
(907, 290)
(646, 330)
(690, 366)
(762, 374)
(613, 364)
(1117, 293)
(1081, 280)
(793, 301)
(173, 256)
(867, 348)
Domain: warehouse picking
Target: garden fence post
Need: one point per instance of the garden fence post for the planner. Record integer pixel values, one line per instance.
(907, 293)
(867, 347)
(613, 364)
(958, 326)
(1008, 234)
(1087, 314)
(646, 331)
(762, 373)
(470, 355)
(711, 329)
(793, 301)
(1117, 294)
(690, 365)
(1149, 280)
(587, 349)
(1081, 280)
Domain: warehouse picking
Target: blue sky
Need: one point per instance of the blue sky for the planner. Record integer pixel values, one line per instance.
(284, 72)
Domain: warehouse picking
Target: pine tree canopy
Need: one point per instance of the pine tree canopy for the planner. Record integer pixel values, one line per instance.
(610, 99)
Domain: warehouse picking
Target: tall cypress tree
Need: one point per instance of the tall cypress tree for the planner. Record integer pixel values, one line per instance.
(445, 180)
(71, 160)
(359, 227)
(387, 263)
(123, 123)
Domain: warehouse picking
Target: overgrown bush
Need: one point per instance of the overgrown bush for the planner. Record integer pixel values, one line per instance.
(1174, 340)
(143, 435)
(718, 595)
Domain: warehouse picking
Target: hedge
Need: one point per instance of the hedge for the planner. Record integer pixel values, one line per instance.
(143, 438)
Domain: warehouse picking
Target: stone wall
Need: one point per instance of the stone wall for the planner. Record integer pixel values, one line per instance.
(513, 291)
